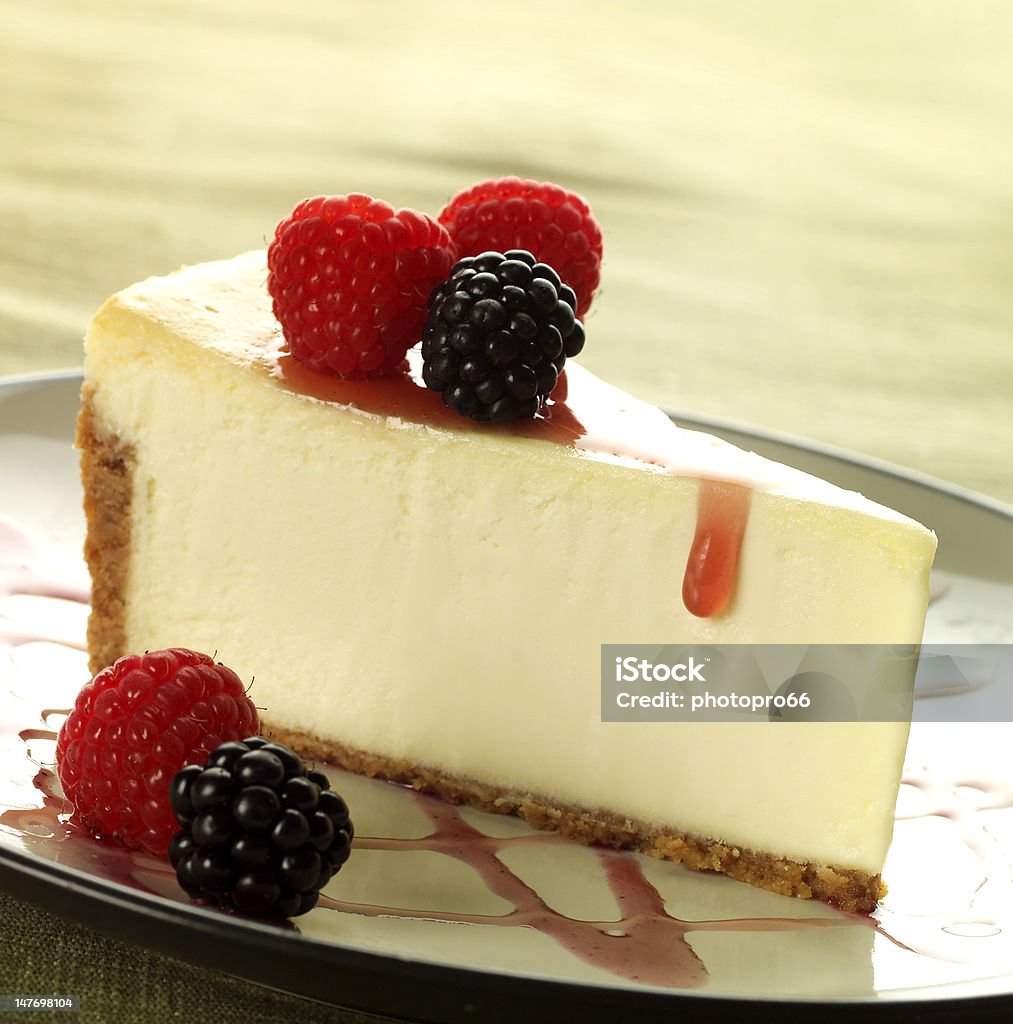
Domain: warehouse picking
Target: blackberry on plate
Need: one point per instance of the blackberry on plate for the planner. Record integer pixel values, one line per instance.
(498, 333)
(260, 834)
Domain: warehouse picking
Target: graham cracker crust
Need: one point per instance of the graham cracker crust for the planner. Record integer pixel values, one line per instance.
(107, 466)
(846, 888)
(107, 475)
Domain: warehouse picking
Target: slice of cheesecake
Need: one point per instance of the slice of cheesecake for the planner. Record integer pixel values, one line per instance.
(423, 598)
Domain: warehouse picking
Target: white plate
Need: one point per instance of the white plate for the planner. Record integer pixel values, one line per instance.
(447, 914)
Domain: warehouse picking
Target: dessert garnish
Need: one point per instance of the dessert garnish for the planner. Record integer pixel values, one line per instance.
(497, 335)
(350, 276)
(261, 834)
(557, 225)
(133, 727)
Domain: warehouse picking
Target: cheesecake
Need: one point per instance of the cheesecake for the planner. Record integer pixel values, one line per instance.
(422, 598)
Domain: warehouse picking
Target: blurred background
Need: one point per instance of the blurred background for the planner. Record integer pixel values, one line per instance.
(807, 207)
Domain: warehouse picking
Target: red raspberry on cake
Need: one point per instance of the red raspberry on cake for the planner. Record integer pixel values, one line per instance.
(350, 278)
(133, 727)
(545, 219)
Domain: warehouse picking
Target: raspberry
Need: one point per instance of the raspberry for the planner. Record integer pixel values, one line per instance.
(133, 727)
(517, 213)
(349, 277)
(497, 336)
(260, 833)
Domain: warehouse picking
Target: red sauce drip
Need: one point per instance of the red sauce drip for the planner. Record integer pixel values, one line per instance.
(574, 418)
(645, 943)
(405, 396)
(722, 514)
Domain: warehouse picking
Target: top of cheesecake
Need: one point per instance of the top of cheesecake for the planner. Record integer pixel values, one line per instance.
(223, 307)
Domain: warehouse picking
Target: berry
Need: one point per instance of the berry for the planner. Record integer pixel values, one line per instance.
(497, 336)
(132, 729)
(515, 213)
(260, 834)
(349, 277)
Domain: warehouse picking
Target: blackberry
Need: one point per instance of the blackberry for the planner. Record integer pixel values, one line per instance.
(260, 834)
(498, 333)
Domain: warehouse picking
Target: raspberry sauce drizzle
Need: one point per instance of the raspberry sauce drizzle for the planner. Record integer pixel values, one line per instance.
(404, 396)
(645, 944)
(592, 417)
(722, 514)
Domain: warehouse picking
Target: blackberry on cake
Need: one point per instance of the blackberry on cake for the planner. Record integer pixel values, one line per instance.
(133, 727)
(497, 336)
(260, 833)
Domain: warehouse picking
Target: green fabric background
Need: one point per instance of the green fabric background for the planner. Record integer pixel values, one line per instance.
(47, 955)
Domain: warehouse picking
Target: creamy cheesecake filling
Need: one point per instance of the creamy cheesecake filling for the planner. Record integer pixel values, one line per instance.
(380, 579)
(591, 417)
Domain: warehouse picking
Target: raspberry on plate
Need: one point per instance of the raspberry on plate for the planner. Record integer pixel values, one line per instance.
(135, 725)
(517, 213)
(350, 277)
(260, 834)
